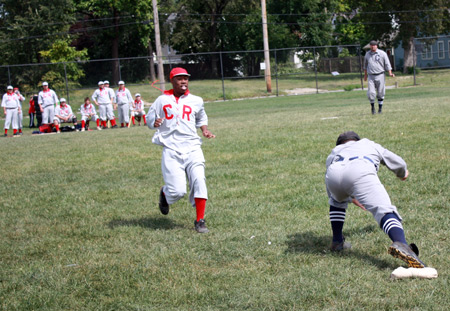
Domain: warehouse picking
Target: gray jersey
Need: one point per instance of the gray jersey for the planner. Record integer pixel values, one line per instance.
(376, 62)
(10, 101)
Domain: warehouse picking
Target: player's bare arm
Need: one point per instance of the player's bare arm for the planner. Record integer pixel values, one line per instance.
(206, 132)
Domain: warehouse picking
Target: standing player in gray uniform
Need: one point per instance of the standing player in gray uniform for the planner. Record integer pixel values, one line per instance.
(103, 98)
(47, 100)
(176, 115)
(123, 100)
(376, 62)
(11, 110)
(351, 176)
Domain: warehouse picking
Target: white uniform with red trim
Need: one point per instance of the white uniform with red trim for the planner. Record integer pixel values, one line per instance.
(65, 111)
(182, 154)
(11, 103)
(104, 97)
(48, 100)
(138, 109)
(123, 100)
(88, 112)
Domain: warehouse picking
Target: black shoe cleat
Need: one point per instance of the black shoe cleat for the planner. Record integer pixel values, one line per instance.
(115, 126)
(163, 205)
(404, 252)
(340, 246)
(200, 226)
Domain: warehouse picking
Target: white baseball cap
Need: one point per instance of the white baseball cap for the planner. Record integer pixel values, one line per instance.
(137, 94)
(44, 83)
(106, 82)
(100, 83)
(62, 100)
(9, 87)
(121, 82)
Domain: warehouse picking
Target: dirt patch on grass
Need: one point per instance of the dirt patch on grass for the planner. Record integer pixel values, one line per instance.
(304, 90)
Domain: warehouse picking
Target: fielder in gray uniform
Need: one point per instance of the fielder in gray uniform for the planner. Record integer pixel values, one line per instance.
(376, 62)
(176, 115)
(351, 176)
(123, 100)
(11, 110)
(103, 97)
(47, 100)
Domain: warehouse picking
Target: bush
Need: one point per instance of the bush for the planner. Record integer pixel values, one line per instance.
(410, 70)
(351, 87)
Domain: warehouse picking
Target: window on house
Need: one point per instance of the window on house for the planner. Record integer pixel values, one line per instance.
(427, 51)
(441, 53)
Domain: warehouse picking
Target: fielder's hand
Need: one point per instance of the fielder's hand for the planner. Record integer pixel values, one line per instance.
(357, 203)
(208, 134)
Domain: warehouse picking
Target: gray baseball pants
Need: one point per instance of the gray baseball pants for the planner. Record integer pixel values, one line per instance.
(48, 115)
(358, 179)
(124, 113)
(12, 116)
(376, 87)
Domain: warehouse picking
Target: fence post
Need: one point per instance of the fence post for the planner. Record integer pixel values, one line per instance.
(120, 70)
(67, 84)
(221, 72)
(276, 70)
(360, 68)
(315, 70)
(9, 76)
(414, 62)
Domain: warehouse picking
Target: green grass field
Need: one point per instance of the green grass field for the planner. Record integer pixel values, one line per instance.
(80, 228)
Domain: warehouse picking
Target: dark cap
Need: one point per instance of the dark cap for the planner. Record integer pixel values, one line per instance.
(373, 42)
(346, 136)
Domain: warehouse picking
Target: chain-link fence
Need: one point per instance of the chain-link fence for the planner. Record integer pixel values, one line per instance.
(293, 71)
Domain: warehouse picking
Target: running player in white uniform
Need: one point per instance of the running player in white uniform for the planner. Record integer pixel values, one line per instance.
(11, 110)
(88, 113)
(47, 100)
(21, 99)
(137, 110)
(103, 99)
(123, 100)
(64, 114)
(176, 115)
(351, 176)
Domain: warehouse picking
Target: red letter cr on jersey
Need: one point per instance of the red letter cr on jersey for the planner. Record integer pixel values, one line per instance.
(166, 113)
(187, 110)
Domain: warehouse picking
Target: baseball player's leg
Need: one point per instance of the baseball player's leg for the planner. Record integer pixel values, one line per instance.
(371, 92)
(381, 90)
(110, 115)
(121, 116)
(45, 117)
(8, 120)
(103, 117)
(173, 171)
(126, 114)
(57, 122)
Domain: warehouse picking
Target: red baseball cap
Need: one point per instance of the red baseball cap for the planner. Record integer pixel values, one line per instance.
(16, 88)
(178, 71)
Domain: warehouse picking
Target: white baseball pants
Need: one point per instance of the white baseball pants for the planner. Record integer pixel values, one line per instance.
(106, 112)
(358, 179)
(12, 117)
(48, 115)
(175, 167)
(376, 87)
(124, 113)
(87, 118)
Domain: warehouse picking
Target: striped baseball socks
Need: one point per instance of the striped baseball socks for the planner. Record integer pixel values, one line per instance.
(392, 226)
(337, 219)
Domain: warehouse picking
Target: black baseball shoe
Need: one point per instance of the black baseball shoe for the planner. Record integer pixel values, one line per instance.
(405, 252)
(340, 246)
(373, 110)
(380, 108)
(200, 226)
(163, 205)
(115, 126)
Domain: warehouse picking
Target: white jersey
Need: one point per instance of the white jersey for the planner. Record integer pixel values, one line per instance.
(103, 96)
(11, 101)
(47, 98)
(87, 110)
(138, 105)
(123, 96)
(370, 151)
(182, 117)
(63, 111)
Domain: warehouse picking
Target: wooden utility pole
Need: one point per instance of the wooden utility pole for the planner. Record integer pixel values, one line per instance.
(266, 47)
(158, 46)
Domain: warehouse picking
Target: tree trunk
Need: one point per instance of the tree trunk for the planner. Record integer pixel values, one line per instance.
(409, 59)
(115, 49)
(151, 61)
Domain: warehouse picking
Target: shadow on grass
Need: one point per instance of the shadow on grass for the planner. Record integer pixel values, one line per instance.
(309, 242)
(157, 223)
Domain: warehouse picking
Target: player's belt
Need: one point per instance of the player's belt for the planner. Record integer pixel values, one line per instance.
(377, 74)
(354, 158)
